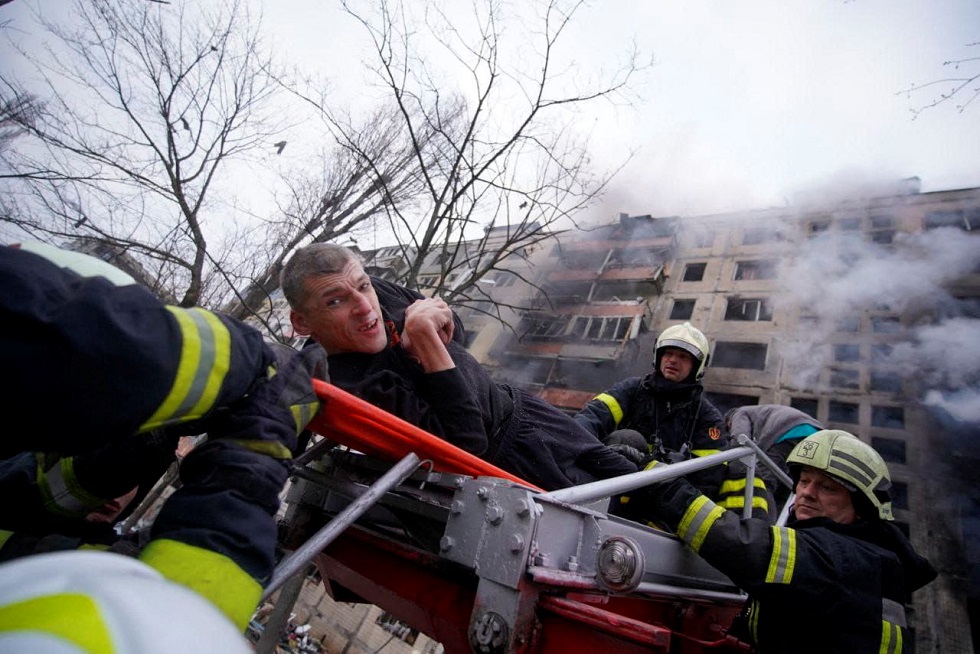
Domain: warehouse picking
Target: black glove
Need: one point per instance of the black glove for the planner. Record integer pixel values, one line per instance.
(276, 408)
(634, 455)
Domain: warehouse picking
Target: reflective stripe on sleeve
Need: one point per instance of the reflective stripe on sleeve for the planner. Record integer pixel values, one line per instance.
(614, 408)
(783, 559)
(891, 638)
(738, 485)
(215, 576)
(704, 452)
(697, 520)
(61, 493)
(205, 359)
(70, 616)
(738, 502)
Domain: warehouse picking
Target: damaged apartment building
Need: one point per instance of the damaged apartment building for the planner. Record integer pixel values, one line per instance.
(862, 311)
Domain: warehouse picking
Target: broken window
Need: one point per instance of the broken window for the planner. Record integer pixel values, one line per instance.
(967, 220)
(886, 382)
(725, 401)
(843, 412)
(750, 356)
(886, 324)
(845, 378)
(817, 227)
(759, 269)
(849, 324)
(602, 328)
(807, 405)
(899, 493)
(847, 352)
(882, 230)
(891, 450)
(547, 326)
(880, 352)
(748, 309)
(682, 309)
(889, 417)
(694, 272)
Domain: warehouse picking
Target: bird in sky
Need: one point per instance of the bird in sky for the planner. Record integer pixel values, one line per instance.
(279, 146)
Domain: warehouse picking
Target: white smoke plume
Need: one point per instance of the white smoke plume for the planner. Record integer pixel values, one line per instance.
(942, 351)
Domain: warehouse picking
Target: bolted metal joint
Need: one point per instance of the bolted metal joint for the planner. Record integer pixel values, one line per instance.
(489, 634)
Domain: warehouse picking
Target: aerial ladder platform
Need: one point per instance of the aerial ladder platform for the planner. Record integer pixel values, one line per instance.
(483, 561)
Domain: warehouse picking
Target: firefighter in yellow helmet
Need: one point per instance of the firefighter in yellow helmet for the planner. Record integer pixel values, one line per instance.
(837, 578)
(663, 416)
(98, 360)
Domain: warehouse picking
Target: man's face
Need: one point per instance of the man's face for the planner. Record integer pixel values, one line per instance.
(342, 312)
(676, 364)
(818, 495)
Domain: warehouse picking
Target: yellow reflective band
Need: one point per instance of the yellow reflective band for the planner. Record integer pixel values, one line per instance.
(738, 502)
(783, 560)
(303, 413)
(205, 358)
(275, 449)
(697, 521)
(61, 493)
(704, 452)
(738, 485)
(754, 609)
(613, 404)
(213, 575)
(891, 638)
(70, 616)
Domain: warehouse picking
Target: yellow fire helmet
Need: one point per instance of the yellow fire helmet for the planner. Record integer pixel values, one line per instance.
(852, 462)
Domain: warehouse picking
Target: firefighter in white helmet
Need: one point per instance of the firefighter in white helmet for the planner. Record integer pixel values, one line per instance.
(663, 416)
(837, 578)
(99, 360)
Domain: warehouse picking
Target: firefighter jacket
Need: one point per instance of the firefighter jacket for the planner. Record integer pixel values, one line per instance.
(95, 363)
(675, 419)
(814, 585)
(463, 405)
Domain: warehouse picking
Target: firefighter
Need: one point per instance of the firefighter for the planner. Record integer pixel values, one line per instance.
(663, 416)
(399, 351)
(98, 359)
(776, 429)
(837, 578)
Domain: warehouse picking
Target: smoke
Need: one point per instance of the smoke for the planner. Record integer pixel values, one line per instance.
(940, 352)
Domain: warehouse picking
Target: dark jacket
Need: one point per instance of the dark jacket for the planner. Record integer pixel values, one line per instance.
(503, 425)
(673, 415)
(97, 367)
(675, 419)
(814, 585)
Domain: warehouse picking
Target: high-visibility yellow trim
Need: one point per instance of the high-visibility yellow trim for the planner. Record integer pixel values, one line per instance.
(783, 559)
(275, 449)
(704, 452)
(738, 485)
(205, 359)
(614, 408)
(303, 413)
(697, 521)
(71, 616)
(738, 502)
(4, 537)
(62, 494)
(215, 576)
(891, 638)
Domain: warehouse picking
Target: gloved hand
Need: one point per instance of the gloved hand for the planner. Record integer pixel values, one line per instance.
(278, 407)
(634, 455)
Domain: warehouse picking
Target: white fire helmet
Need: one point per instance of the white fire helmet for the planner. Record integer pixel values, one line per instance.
(688, 338)
(852, 462)
(84, 601)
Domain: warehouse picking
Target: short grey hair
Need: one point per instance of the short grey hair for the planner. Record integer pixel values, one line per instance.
(310, 261)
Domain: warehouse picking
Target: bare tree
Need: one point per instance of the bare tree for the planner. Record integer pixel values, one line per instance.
(497, 151)
(145, 108)
(963, 85)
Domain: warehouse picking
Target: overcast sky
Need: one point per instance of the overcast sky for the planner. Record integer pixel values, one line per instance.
(752, 100)
(748, 102)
